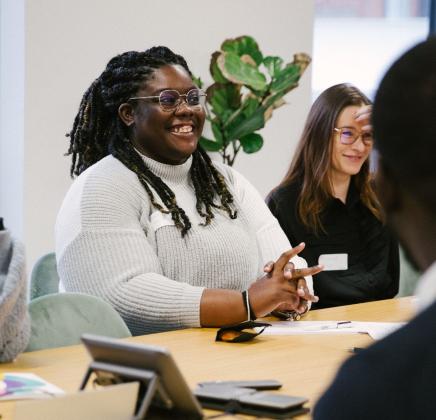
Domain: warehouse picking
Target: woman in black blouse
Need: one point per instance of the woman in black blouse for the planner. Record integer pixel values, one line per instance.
(327, 201)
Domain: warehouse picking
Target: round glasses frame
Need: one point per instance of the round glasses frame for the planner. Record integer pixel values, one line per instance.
(193, 98)
(354, 135)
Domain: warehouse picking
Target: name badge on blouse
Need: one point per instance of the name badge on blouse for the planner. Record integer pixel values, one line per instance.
(333, 262)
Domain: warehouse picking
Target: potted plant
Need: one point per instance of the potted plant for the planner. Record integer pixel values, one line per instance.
(247, 88)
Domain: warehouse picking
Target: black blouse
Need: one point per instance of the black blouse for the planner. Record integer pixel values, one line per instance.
(373, 256)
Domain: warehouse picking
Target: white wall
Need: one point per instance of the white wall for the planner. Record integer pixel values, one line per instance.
(67, 44)
(369, 56)
(12, 114)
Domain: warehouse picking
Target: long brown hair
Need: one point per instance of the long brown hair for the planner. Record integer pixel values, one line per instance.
(312, 160)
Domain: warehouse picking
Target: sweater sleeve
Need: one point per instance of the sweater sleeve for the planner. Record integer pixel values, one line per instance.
(271, 239)
(102, 249)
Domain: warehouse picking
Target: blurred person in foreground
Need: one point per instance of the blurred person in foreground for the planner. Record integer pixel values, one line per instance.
(396, 377)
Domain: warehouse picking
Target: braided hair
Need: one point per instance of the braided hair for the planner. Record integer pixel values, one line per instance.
(98, 131)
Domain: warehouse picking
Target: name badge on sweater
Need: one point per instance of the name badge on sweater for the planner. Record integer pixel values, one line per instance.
(333, 262)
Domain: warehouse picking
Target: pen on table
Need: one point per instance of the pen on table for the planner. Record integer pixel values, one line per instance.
(356, 350)
(337, 325)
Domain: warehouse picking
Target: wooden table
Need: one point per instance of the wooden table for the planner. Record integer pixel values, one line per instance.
(305, 364)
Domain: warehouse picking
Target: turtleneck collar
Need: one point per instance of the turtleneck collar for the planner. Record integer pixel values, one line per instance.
(171, 173)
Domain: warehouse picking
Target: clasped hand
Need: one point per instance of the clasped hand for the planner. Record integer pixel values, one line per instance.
(283, 287)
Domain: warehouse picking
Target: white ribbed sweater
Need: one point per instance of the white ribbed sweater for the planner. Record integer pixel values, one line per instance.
(112, 243)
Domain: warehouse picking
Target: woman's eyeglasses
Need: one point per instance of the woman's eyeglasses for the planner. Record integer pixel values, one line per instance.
(169, 99)
(349, 135)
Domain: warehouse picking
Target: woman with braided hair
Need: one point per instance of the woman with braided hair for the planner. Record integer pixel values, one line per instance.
(151, 225)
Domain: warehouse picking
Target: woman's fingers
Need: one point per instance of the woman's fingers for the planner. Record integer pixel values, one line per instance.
(304, 292)
(280, 264)
(363, 112)
(289, 267)
(282, 283)
(268, 267)
(296, 273)
(297, 282)
(302, 289)
(302, 307)
(290, 302)
(363, 117)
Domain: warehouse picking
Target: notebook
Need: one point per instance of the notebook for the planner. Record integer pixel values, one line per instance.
(17, 386)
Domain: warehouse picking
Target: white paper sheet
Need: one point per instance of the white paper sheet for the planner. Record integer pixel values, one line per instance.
(376, 330)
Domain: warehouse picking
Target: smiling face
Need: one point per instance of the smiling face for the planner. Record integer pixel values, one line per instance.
(347, 159)
(166, 136)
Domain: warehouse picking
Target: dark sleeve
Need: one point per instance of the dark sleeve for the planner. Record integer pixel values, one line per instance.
(333, 403)
(272, 204)
(282, 206)
(354, 394)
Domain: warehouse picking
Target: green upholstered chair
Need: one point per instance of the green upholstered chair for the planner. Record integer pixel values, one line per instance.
(408, 277)
(60, 319)
(44, 278)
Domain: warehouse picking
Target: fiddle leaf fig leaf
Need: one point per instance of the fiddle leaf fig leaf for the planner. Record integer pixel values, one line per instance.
(197, 81)
(248, 60)
(247, 88)
(302, 60)
(286, 78)
(236, 71)
(240, 127)
(219, 138)
(243, 45)
(210, 145)
(274, 99)
(269, 111)
(224, 98)
(227, 95)
(273, 65)
(214, 70)
(251, 143)
(250, 105)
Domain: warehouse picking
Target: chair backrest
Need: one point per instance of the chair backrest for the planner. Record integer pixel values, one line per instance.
(408, 276)
(44, 278)
(60, 319)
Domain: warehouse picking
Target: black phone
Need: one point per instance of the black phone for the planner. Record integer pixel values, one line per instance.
(249, 401)
(270, 400)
